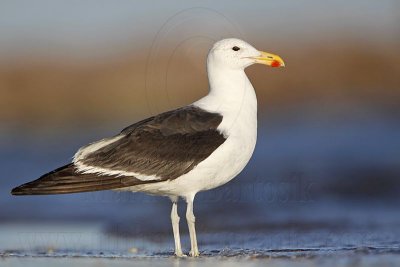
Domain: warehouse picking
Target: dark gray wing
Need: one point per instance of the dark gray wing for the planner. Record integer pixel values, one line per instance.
(65, 180)
(166, 146)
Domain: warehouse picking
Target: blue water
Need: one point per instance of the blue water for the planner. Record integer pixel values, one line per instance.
(313, 188)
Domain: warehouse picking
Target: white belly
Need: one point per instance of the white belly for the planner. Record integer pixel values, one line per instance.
(226, 163)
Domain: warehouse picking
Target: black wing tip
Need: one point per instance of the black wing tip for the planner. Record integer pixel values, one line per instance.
(29, 188)
(23, 190)
(19, 191)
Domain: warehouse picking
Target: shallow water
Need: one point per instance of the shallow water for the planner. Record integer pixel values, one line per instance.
(381, 260)
(351, 236)
(315, 198)
(228, 257)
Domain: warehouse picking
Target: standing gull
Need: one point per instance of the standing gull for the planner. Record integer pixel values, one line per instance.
(177, 153)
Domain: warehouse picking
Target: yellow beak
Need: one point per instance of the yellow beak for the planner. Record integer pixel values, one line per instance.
(269, 59)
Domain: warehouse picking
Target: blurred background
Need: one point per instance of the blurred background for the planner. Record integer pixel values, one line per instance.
(328, 154)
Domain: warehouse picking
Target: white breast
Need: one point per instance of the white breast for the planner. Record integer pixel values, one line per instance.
(239, 125)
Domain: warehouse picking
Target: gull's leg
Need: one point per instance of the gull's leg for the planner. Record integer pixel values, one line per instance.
(194, 251)
(175, 227)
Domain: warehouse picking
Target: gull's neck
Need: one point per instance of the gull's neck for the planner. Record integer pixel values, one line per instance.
(231, 94)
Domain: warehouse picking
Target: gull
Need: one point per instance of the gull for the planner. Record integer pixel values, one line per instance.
(177, 153)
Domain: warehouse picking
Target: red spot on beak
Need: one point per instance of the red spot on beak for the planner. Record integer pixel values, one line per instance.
(275, 63)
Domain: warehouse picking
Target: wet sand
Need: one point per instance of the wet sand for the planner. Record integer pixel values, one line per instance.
(354, 258)
(367, 242)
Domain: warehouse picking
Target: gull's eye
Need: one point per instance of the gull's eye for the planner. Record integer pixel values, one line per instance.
(235, 48)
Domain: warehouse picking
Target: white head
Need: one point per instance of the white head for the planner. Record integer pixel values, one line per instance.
(234, 53)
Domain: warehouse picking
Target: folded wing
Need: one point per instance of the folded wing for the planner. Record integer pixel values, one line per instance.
(160, 148)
